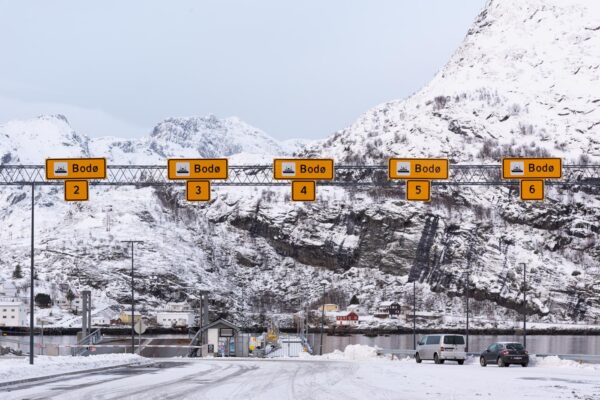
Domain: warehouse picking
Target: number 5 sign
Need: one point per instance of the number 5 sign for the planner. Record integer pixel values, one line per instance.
(418, 190)
(532, 189)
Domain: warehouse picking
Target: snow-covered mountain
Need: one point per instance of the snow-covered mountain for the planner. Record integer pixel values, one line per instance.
(524, 82)
(32, 141)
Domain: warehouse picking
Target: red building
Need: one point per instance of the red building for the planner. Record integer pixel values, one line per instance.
(347, 318)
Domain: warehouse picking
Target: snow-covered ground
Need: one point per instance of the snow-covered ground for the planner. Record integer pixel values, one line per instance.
(354, 374)
(16, 368)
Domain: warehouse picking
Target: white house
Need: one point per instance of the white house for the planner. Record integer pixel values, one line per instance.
(175, 314)
(13, 313)
(8, 289)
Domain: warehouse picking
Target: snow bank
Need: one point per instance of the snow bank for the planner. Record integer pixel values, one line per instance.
(353, 352)
(554, 361)
(12, 369)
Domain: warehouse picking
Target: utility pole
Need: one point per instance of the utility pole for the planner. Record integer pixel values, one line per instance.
(324, 282)
(415, 315)
(31, 297)
(132, 242)
(524, 305)
(467, 293)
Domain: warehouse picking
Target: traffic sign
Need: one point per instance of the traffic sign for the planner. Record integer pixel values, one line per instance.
(140, 327)
(76, 190)
(417, 190)
(523, 168)
(304, 191)
(200, 168)
(532, 189)
(313, 169)
(76, 168)
(197, 191)
(418, 168)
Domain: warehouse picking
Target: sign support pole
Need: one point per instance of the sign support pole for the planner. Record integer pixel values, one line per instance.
(31, 297)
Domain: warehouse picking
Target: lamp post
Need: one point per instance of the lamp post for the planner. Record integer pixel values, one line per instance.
(324, 283)
(132, 242)
(467, 295)
(415, 315)
(524, 305)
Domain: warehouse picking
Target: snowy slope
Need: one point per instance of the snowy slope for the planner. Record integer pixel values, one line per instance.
(525, 80)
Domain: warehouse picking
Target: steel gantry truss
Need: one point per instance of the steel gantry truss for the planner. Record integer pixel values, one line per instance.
(262, 175)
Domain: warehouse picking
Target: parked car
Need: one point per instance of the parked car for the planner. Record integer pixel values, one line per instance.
(440, 348)
(504, 354)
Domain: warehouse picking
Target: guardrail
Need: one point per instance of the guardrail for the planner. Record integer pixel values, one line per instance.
(581, 358)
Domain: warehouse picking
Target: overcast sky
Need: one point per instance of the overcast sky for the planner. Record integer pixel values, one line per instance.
(291, 68)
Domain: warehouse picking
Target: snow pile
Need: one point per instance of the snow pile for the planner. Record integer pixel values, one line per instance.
(353, 352)
(555, 361)
(13, 369)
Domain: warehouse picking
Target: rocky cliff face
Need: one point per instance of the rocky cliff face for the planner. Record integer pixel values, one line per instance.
(524, 82)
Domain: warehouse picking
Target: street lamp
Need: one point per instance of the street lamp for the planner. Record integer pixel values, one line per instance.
(132, 242)
(468, 272)
(415, 314)
(324, 282)
(524, 304)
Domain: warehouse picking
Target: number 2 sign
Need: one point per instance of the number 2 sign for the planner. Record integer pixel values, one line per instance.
(76, 190)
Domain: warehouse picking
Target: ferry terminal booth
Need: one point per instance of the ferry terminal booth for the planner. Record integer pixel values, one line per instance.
(221, 339)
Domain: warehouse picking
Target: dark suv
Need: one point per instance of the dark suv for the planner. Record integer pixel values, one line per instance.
(504, 354)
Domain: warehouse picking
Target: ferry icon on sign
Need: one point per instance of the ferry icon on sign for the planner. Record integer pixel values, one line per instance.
(182, 169)
(403, 168)
(517, 168)
(60, 168)
(288, 169)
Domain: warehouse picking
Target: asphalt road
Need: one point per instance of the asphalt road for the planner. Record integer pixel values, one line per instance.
(314, 380)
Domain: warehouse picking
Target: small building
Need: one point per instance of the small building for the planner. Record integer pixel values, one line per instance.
(357, 308)
(13, 313)
(328, 308)
(8, 289)
(125, 317)
(348, 318)
(219, 338)
(388, 309)
(176, 315)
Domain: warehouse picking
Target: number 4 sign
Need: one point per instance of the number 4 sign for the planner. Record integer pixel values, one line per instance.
(532, 189)
(303, 190)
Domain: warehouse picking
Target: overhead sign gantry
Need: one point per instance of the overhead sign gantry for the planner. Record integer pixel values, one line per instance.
(76, 173)
(197, 172)
(304, 174)
(418, 173)
(531, 173)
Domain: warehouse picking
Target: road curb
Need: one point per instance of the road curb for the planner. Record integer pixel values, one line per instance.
(45, 377)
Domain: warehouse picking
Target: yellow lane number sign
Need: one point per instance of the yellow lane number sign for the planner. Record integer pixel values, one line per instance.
(418, 190)
(523, 168)
(76, 190)
(303, 190)
(197, 190)
(75, 168)
(418, 168)
(532, 189)
(313, 169)
(201, 168)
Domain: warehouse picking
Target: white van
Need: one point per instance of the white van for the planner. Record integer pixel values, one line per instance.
(440, 348)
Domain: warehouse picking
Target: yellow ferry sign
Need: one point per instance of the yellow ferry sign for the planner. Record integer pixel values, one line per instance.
(75, 168)
(418, 168)
(305, 169)
(200, 168)
(522, 168)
